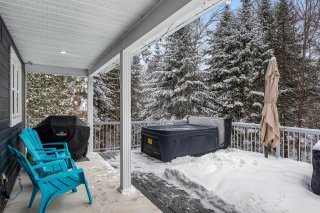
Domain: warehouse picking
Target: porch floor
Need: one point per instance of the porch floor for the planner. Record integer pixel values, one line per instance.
(103, 181)
(166, 196)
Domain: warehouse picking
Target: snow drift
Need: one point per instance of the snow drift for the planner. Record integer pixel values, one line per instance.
(238, 181)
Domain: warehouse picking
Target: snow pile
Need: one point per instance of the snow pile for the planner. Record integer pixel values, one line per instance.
(238, 181)
(316, 146)
(249, 181)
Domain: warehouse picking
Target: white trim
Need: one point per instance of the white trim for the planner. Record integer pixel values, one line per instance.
(161, 21)
(47, 69)
(16, 90)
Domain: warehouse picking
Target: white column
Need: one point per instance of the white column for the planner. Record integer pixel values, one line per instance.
(25, 97)
(125, 122)
(90, 111)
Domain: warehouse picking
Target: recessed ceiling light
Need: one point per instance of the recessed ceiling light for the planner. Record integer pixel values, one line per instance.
(63, 52)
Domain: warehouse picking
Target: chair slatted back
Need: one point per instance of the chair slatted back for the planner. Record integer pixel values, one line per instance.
(34, 137)
(23, 161)
(27, 139)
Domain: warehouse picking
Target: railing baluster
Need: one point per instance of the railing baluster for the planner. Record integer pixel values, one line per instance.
(299, 151)
(288, 137)
(305, 147)
(94, 137)
(255, 139)
(251, 139)
(238, 138)
(283, 147)
(293, 144)
(99, 137)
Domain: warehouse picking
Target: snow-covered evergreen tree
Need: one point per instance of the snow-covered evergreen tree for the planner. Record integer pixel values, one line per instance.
(154, 107)
(177, 85)
(223, 53)
(190, 94)
(252, 56)
(55, 95)
(238, 53)
(287, 54)
(137, 98)
(266, 21)
(107, 96)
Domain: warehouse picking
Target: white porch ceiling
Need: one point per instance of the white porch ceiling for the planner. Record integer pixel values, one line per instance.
(92, 32)
(82, 28)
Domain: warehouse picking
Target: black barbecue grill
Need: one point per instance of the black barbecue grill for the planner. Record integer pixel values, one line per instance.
(68, 129)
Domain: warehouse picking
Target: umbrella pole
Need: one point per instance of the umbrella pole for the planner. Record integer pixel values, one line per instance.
(265, 151)
(265, 72)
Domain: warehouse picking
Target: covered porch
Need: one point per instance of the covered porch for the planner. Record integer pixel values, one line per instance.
(71, 39)
(104, 181)
(87, 38)
(81, 38)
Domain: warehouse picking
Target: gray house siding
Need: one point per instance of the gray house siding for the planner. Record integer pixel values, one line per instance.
(8, 135)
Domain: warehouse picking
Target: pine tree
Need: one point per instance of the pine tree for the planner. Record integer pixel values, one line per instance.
(189, 91)
(252, 55)
(154, 107)
(107, 96)
(175, 85)
(266, 21)
(238, 54)
(287, 54)
(103, 103)
(223, 52)
(137, 99)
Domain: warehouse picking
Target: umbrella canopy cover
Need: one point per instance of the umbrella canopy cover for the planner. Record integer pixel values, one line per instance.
(270, 133)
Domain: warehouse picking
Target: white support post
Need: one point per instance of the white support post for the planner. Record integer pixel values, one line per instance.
(125, 122)
(90, 111)
(25, 98)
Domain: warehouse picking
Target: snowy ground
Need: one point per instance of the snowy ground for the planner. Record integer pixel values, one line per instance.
(238, 181)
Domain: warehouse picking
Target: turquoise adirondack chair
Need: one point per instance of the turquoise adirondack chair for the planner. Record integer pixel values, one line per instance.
(36, 141)
(54, 185)
(31, 140)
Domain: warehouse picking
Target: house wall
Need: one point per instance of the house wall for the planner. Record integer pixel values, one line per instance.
(8, 135)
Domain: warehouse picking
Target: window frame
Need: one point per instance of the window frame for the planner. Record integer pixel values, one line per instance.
(15, 89)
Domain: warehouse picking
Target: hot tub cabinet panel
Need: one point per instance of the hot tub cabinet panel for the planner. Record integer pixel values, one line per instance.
(168, 142)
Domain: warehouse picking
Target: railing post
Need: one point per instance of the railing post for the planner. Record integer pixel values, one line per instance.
(90, 111)
(278, 151)
(125, 122)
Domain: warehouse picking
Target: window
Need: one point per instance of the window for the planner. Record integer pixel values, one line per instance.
(15, 89)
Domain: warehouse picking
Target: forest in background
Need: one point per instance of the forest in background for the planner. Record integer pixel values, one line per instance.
(212, 67)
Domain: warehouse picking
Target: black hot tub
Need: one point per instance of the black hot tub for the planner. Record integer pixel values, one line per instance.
(168, 142)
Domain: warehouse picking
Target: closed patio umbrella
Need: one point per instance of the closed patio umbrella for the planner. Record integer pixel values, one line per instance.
(270, 133)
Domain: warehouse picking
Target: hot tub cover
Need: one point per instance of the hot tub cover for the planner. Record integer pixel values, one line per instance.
(171, 141)
(68, 129)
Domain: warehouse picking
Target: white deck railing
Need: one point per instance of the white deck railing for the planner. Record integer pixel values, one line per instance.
(107, 134)
(295, 143)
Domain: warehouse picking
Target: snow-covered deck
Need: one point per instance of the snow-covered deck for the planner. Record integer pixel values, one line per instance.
(237, 181)
(103, 181)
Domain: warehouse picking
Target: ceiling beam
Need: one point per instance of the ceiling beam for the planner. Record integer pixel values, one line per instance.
(164, 19)
(47, 69)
